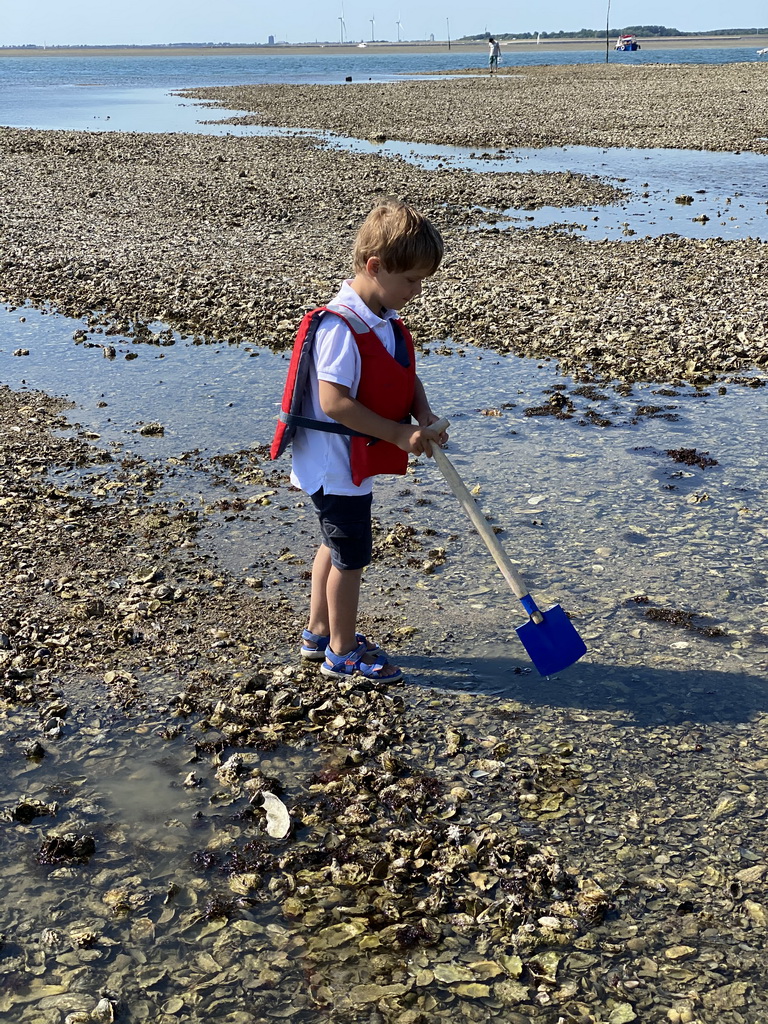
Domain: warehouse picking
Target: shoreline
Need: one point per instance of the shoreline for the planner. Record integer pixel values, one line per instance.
(387, 48)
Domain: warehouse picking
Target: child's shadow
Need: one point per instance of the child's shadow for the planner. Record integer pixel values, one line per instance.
(648, 696)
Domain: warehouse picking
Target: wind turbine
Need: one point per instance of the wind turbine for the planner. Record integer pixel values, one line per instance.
(373, 27)
(399, 26)
(342, 24)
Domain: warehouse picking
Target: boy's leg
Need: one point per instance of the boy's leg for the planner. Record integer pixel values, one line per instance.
(345, 523)
(343, 591)
(318, 602)
(319, 618)
(343, 600)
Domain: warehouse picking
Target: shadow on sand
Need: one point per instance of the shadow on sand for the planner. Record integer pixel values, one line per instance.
(645, 696)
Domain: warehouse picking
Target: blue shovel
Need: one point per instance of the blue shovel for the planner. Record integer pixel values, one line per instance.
(550, 638)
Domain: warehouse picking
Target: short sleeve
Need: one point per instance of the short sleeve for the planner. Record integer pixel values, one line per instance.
(336, 355)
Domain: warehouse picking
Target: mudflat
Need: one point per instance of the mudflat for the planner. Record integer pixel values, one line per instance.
(240, 241)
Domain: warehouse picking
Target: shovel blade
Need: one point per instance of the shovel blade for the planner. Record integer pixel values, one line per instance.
(553, 644)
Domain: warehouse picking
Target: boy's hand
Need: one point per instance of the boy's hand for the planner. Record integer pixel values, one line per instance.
(432, 421)
(419, 440)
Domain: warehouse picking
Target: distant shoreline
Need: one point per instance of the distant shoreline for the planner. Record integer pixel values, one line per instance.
(349, 49)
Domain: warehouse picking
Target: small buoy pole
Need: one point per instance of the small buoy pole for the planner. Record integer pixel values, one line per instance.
(607, 30)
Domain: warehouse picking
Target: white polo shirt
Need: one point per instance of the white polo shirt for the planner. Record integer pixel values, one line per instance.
(321, 459)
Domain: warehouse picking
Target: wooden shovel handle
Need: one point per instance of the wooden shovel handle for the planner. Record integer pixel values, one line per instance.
(470, 506)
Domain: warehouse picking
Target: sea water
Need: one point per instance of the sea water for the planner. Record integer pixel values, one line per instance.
(61, 91)
(593, 513)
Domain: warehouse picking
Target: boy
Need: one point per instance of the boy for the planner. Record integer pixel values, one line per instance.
(352, 389)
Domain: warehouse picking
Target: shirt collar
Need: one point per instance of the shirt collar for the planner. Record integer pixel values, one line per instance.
(349, 297)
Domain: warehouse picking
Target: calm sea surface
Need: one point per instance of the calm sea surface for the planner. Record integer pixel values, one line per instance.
(62, 92)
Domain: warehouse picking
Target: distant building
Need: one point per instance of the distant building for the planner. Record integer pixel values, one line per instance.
(271, 41)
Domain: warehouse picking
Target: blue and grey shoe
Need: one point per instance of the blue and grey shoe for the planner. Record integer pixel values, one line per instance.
(344, 666)
(313, 647)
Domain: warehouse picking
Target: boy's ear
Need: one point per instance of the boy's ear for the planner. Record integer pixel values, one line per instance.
(373, 265)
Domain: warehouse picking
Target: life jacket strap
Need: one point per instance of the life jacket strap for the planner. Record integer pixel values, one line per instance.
(293, 420)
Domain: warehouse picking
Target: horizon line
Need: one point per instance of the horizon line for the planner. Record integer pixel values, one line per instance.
(555, 36)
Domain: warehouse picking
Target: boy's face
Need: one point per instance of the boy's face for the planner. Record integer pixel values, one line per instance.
(394, 289)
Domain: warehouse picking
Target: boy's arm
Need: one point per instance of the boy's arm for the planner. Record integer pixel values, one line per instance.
(336, 402)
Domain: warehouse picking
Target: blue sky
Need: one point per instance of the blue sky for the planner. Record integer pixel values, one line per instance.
(96, 22)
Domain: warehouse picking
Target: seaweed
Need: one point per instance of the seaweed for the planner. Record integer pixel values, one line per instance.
(690, 457)
(683, 620)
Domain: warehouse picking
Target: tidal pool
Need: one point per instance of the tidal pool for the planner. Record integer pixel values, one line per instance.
(589, 502)
(725, 194)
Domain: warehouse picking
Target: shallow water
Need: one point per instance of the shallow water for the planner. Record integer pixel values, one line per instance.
(595, 514)
(185, 385)
(729, 189)
(38, 71)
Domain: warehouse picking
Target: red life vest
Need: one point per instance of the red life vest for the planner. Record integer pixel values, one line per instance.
(386, 387)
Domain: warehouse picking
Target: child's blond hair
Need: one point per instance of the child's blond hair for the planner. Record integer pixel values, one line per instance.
(401, 237)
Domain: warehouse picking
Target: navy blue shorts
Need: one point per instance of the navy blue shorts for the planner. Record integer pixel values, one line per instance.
(345, 524)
